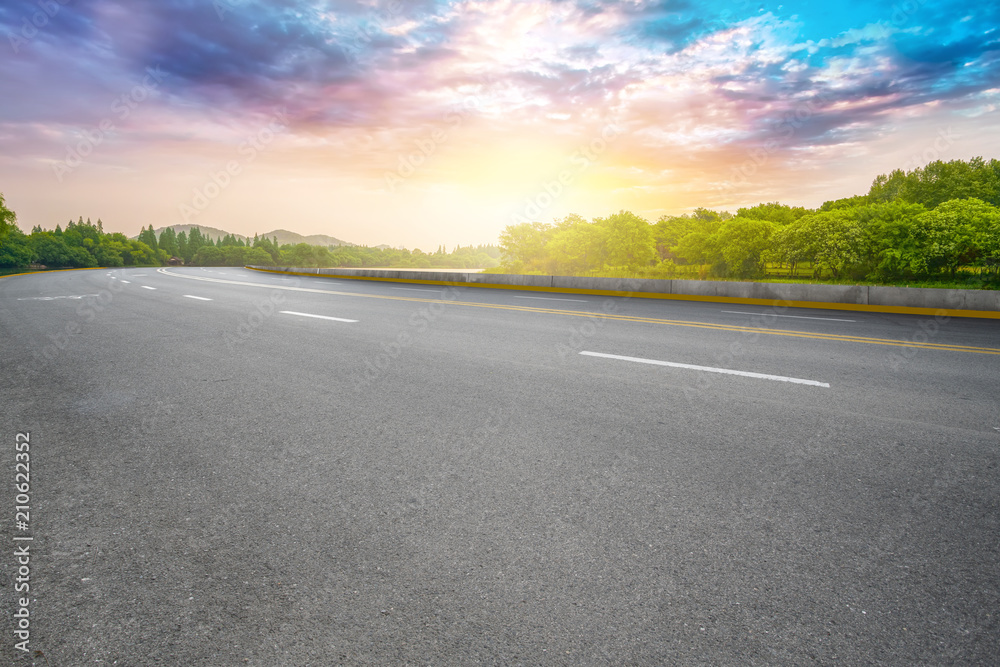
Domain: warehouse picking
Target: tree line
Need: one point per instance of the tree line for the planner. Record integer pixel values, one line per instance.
(85, 245)
(931, 222)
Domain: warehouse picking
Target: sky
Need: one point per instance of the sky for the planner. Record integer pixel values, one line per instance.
(431, 122)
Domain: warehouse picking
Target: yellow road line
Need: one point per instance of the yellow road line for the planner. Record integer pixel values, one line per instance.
(35, 273)
(823, 305)
(622, 318)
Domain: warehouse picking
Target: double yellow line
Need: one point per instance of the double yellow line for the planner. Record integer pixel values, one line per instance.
(623, 318)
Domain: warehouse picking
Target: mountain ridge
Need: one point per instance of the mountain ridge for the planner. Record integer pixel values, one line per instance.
(283, 235)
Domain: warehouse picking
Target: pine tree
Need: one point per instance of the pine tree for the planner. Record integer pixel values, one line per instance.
(182, 247)
(168, 241)
(148, 236)
(195, 239)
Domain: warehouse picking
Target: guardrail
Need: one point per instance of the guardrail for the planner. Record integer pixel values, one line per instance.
(872, 298)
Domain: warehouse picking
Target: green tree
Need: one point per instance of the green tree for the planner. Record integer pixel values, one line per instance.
(629, 240)
(15, 249)
(107, 254)
(346, 257)
(840, 242)
(209, 256)
(183, 249)
(846, 202)
(196, 241)
(270, 247)
(578, 248)
(894, 240)
(887, 187)
(669, 230)
(8, 219)
(234, 255)
(522, 247)
(168, 242)
(303, 255)
(50, 249)
(792, 245)
(939, 182)
(258, 257)
(84, 231)
(141, 254)
(742, 242)
(959, 232)
(701, 245)
(773, 212)
(148, 236)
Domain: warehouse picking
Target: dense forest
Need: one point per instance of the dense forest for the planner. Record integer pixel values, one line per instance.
(936, 222)
(85, 244)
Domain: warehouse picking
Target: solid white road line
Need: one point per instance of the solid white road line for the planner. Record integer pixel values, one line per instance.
(53, 298)
(709, 369)
(318, 317)
(414, 289)
(550, 298)
(147, 287)
(797, 317)
(199, 298)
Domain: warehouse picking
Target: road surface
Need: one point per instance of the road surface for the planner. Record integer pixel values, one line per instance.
(236, 468)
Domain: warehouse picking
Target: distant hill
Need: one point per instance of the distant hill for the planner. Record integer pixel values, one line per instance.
(284, 236)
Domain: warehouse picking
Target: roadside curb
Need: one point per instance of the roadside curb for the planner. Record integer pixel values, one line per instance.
(856, 298)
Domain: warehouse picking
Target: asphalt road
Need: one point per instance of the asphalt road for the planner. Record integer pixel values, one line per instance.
(441, 476)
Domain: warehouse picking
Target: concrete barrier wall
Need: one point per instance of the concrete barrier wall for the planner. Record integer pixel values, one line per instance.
(867, 297)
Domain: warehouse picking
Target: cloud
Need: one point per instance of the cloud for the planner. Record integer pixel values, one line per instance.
(368, 79)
